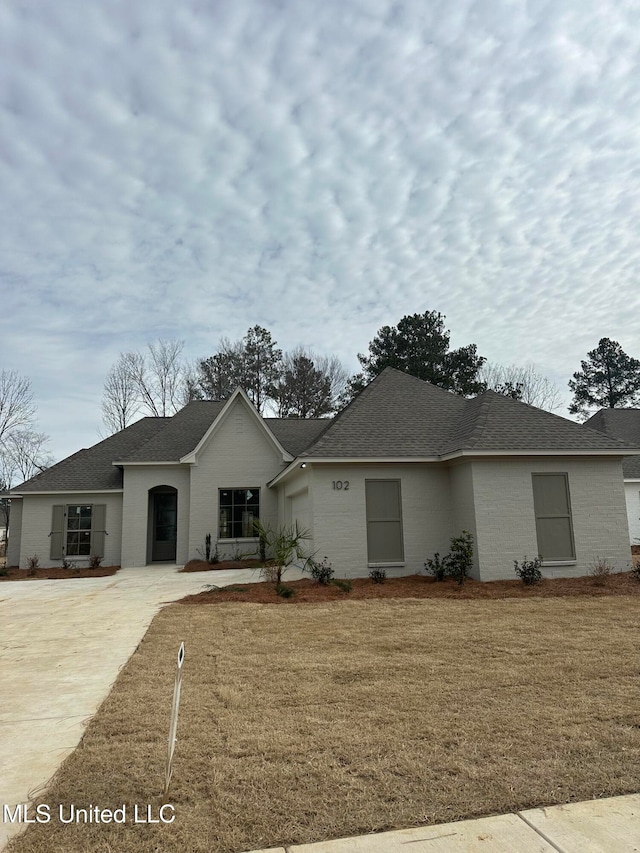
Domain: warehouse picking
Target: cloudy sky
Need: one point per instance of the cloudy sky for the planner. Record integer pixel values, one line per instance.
(187, 170)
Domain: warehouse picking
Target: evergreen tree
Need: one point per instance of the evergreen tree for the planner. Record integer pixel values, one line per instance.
(609, 379)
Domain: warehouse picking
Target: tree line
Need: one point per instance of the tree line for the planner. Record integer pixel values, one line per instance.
(157, 381)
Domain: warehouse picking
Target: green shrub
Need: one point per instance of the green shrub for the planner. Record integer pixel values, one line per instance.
(343, 585)
(285, 591)
(321, 572)
(529, 570)
(437, 566)
(460, 559)
(457, 564)
(378, 575)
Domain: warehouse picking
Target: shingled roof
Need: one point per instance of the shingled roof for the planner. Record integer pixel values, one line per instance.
(399, 416)
(624, 424)
(395, 416)
(154, 440)
(92, 469)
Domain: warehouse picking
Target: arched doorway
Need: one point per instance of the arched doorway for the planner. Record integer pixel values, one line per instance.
(163, 524)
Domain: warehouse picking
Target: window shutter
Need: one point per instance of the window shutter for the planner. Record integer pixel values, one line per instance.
(98, 523)
(57, 530)
(384, 521)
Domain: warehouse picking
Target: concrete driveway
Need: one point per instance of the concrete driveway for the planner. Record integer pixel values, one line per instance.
(62, 644)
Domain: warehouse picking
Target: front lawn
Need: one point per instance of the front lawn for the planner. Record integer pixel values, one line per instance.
(301, 723)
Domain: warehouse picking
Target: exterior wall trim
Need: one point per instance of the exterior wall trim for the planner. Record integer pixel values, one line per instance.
(68, 492)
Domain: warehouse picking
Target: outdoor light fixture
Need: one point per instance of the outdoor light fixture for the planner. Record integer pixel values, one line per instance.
(303, 465)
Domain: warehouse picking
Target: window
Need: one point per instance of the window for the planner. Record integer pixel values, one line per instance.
(239, 508)
(78, 538)
(384, 521)
(554, 526)
(77, 530)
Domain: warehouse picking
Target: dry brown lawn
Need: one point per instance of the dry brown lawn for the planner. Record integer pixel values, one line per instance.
(332, 719)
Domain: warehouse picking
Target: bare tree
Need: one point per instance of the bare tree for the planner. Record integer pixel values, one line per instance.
(153, 382)
(17, 410)
(25, 455)
(120, 401)
(522, 383)
(21, 448)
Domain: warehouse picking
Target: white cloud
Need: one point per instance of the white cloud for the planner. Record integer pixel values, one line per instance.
(191, 170)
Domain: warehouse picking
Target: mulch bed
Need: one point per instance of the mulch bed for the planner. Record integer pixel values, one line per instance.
(203, 566)
(16, 574)
(308, 591)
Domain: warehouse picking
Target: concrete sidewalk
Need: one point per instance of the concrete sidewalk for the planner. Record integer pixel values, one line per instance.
(62, 645)
(597, 826)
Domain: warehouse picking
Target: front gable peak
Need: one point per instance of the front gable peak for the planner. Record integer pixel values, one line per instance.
(240, 406)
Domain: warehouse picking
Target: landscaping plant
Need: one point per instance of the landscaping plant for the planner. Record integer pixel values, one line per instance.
(461, 557)
(600, 570)
(378, 575)
(285, 546)
(457, 564)
(529, 570)
(437, 566)
(321, 572)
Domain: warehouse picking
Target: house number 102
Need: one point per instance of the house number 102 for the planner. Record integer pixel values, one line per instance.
(341, 484)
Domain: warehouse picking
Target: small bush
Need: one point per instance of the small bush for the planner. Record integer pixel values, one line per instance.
(215, 557)
(4, 572)
(460, 559)
(67, 564)
(343, 585)
(285, 591)
(378, 575)
(529, 570)
(33, 564)
(437, 566)
(321, 572)
(635, 571)
(95, 561)
(600, 570)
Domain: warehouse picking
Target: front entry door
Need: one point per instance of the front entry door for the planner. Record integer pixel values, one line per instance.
(165, 518)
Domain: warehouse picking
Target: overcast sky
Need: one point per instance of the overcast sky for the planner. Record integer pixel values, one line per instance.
(187, 170)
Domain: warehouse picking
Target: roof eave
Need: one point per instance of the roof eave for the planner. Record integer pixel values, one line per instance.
(28, 492)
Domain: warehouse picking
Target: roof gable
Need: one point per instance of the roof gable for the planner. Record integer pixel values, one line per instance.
(239, 397)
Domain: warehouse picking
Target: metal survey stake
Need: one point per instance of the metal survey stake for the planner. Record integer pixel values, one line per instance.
(174, 720)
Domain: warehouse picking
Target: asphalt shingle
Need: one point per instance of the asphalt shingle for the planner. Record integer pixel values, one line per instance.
(623, 424)
(395, 416)
(398, 416)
